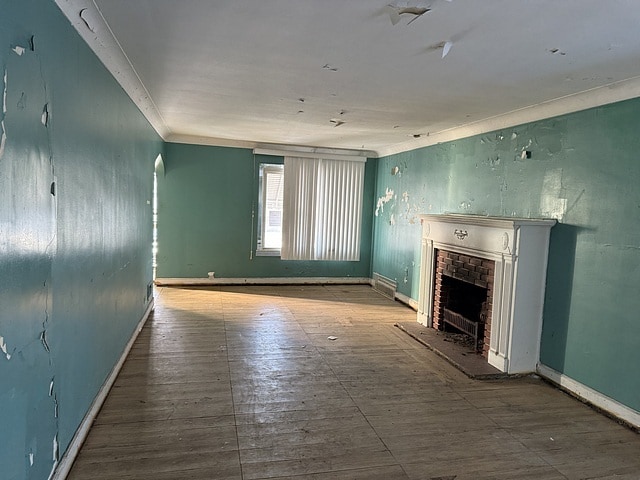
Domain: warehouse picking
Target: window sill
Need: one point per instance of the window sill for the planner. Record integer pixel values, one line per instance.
(267, 253)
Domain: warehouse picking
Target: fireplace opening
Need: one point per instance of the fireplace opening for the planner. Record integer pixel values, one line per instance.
(465, 309)
(463, 297)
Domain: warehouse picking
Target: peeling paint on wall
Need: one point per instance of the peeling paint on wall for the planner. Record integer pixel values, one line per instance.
(18, 50)
(3, 347)
(3, 134)
(45, 115)
(22, 103)
(56, 456)
(388, 196)
(43, 339)
(4, 92)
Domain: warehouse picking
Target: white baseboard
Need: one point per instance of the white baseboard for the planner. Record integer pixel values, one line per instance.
(597, 399)
(65, 464)
(164, 282)
(410, 302)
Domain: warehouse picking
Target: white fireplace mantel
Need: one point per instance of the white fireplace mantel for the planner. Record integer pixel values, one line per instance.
(519, 247)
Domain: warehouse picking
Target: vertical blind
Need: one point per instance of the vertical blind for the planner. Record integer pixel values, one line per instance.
(322, 209)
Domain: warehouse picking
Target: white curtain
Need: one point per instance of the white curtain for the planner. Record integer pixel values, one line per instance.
(322, 209)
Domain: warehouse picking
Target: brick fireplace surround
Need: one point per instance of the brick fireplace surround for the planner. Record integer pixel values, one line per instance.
(472, 270)
(515, 250)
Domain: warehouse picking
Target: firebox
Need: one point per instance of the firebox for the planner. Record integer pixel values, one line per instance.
(507, 259)
(463, 291)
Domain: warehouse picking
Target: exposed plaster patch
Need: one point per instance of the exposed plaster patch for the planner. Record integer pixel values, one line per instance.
(392, 220)
(31, 459)
(405, 197)
(55, 398)
(3, 139)
(45, 115)
(395, 170)
(56, 448)
(4, 92)
(3, 133)
(18, 50)
(56, 456)
(388, 196)
(494, 162)
(3, 347)
(465, 204)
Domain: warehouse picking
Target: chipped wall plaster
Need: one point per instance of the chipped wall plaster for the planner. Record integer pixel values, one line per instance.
(75, 232)
(582, 169)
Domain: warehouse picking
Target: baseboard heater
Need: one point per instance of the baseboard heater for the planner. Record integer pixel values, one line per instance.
(385, 286)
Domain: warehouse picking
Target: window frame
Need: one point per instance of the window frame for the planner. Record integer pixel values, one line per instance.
(265, 168)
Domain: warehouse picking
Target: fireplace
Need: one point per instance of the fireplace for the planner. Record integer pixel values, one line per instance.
(485, 277)
(463, 296)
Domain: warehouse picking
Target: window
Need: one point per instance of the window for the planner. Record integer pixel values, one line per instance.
(322, 209)
(270, 192)
(311, 208)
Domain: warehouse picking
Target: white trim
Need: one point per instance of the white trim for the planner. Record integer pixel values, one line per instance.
(312, 153)
(410, 302)
(595, 97)
(519, 249)
(297, 149)
(168, 281)
(209, 141)
(64, 467)
(597, 399)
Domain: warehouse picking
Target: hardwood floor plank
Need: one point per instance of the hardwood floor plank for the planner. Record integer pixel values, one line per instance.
(239, 383)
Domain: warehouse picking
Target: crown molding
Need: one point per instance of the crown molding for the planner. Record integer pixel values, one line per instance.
(88, 21)
(595, 97)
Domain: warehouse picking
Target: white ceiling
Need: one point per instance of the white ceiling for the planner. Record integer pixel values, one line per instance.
(247, 72)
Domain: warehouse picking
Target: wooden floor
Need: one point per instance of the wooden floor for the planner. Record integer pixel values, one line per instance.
(246, 383)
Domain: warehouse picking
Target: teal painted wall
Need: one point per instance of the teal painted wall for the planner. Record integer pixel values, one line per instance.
(205, 203)
(74, 265)
(585, 171)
